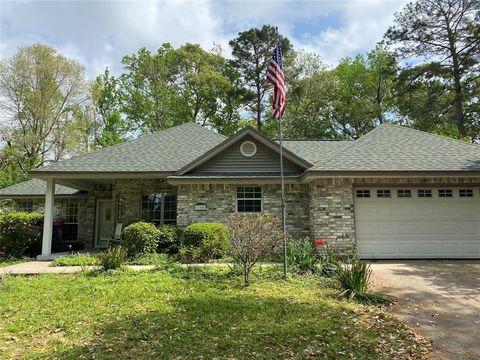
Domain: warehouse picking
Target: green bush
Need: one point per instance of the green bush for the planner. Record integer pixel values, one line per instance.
(140, 238)
(354, 279)
(112, 258)
(205, 241)
(302, 255)
(75, 260)
(21, 234)
(167, 239)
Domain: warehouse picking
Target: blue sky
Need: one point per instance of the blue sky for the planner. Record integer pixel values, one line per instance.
(99, 33)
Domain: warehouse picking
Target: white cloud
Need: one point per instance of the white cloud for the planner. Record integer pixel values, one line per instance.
(100, 33)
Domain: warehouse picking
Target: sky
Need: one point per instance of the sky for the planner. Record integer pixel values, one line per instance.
(99, 33)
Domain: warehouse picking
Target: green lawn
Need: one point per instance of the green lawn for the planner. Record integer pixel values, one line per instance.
(5, 262)
(202, 313)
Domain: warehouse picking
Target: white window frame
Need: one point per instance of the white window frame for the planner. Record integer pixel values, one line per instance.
(237, 198)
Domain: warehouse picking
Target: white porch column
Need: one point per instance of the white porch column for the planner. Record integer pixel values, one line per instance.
(48, 220)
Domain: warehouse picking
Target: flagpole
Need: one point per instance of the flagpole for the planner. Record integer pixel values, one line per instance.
(282, 186)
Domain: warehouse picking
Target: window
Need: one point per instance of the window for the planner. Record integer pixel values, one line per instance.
(404, 193)
(445, 193)
(26, 206)
(249, 199)
(465, 193)
(160, 208)
(120, 208)
(425, 193)
(70, 220)
(383, 193)
(363, 193)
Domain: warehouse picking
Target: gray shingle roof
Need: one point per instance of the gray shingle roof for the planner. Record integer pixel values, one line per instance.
(398, 148)
(163, 151)
(313, 151)
(34, 187)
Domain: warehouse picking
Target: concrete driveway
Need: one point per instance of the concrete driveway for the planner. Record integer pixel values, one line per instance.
(439, 298)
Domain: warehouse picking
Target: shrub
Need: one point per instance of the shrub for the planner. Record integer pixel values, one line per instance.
(75, 260)
(302, 255)
(354, 279)
(112, 258)
(140, 238)
(253, 237)
(206, 241)
(168, 239)
(21, 234)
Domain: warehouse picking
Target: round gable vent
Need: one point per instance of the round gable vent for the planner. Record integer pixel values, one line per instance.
(248, 148)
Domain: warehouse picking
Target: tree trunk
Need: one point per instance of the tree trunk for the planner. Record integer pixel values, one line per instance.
(246, 275)
(459, 107)
(259, 109)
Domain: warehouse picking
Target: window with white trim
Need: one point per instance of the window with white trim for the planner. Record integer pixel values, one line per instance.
(445, 193)
(363, 193)
(160, 208)
(424, 193)
(465, 192)
(249, 199)
(70, 220)
(383, 193)
(404, 193)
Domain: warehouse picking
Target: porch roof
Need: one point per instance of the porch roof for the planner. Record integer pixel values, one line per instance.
(35, 187)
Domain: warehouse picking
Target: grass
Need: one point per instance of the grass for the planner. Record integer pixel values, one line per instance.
(12, 261)
(191, 313)
(75, 260)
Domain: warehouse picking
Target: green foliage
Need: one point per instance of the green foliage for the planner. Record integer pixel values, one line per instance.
(444, 36)
(205, 241)
(145, 315)
(140, 238)
(113, 258)
(75, 260)
(168, 239)
(354, 278)
(7, 206)
(20, 234)
(252, 51)
(302, 255)
(150, 259)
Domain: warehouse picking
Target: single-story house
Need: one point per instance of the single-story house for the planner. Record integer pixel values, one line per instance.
(394, 193)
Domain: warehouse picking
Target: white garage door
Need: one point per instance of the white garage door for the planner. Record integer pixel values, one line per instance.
(422, 223)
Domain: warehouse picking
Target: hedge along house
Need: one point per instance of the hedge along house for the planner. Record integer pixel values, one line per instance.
(394, 193)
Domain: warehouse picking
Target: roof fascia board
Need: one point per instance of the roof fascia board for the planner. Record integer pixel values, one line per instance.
(233, 139)
(231, 180)
(99, 175)
(311, 175)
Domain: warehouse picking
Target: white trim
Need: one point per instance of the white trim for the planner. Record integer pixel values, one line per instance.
(248, 142)
(97, 208)
(49, 214)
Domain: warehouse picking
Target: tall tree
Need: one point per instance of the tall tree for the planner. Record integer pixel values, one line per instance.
(447, 31)
(252, 51)
(109, 127)
(39, 88)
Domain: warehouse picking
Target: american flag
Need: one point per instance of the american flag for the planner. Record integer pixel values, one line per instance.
(276, 77)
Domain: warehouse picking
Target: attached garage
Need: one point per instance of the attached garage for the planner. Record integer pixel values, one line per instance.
(417, 223)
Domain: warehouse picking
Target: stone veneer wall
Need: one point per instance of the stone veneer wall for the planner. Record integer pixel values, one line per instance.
(131, 191)
(332, 212)
(221, 201)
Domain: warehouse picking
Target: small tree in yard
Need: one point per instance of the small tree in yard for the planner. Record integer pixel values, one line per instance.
(252, 238)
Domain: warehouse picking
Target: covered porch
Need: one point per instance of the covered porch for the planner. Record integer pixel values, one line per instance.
(110, 204)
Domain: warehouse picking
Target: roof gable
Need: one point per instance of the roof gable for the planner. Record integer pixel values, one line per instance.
(163, 151)
(227, 157)
(397, 148)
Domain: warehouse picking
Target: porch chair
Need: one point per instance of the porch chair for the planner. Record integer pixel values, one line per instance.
(116, 239)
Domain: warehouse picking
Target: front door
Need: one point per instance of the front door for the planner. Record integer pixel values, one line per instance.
(104, 228)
